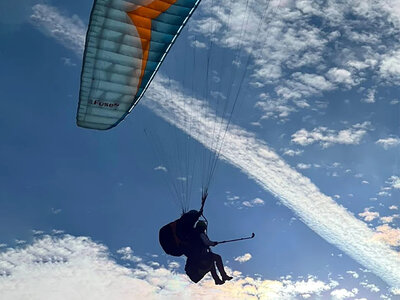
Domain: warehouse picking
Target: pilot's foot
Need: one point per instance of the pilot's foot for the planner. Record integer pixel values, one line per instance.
(226, 278)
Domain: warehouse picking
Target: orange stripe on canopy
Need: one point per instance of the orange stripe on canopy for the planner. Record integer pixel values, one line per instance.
(142, 18)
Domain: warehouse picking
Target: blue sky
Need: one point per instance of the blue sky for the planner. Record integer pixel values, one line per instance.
(310, 162)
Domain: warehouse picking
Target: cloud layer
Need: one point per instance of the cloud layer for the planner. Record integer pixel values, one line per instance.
(327, 137)
(75, 268)
(70, 32)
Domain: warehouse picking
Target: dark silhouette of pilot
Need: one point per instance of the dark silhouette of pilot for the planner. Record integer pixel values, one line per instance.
(200, 259)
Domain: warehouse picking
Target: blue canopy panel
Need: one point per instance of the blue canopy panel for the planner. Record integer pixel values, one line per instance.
(125, 45)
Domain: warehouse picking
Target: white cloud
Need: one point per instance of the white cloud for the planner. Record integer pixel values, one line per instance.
(327, 137)
(336, 165)
(388, 142)
(258, 201)
(245, 257)
(390, 66)
(303, 85)
(258, 161)
(370, 286)
(370, 97)
(275, 108)
(389, 219)
(314, 81)
(68, 62)
(173, 265)
(217, 95)
(37, 232)
(311, 286)
(388, 234)
(127, 254)
(198, 44)
(394, 182)
(247, 204)
(233, 200)
(395, 291)
(161, 168)
(254, 202)
(353, 274)
(280, 42)
(359, 65)
(369, 215)
(232, 197)
(393, 207)
(71, 267)
(56, 211)
(341, 76)
(154, 264)
(341, 294)
(292, 152)
(384, 194)
(70, 32)
(303, 166)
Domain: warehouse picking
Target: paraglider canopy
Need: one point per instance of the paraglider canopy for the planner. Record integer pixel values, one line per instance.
(126, 43)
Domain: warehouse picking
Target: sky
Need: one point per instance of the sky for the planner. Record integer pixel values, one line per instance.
(309, 161)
